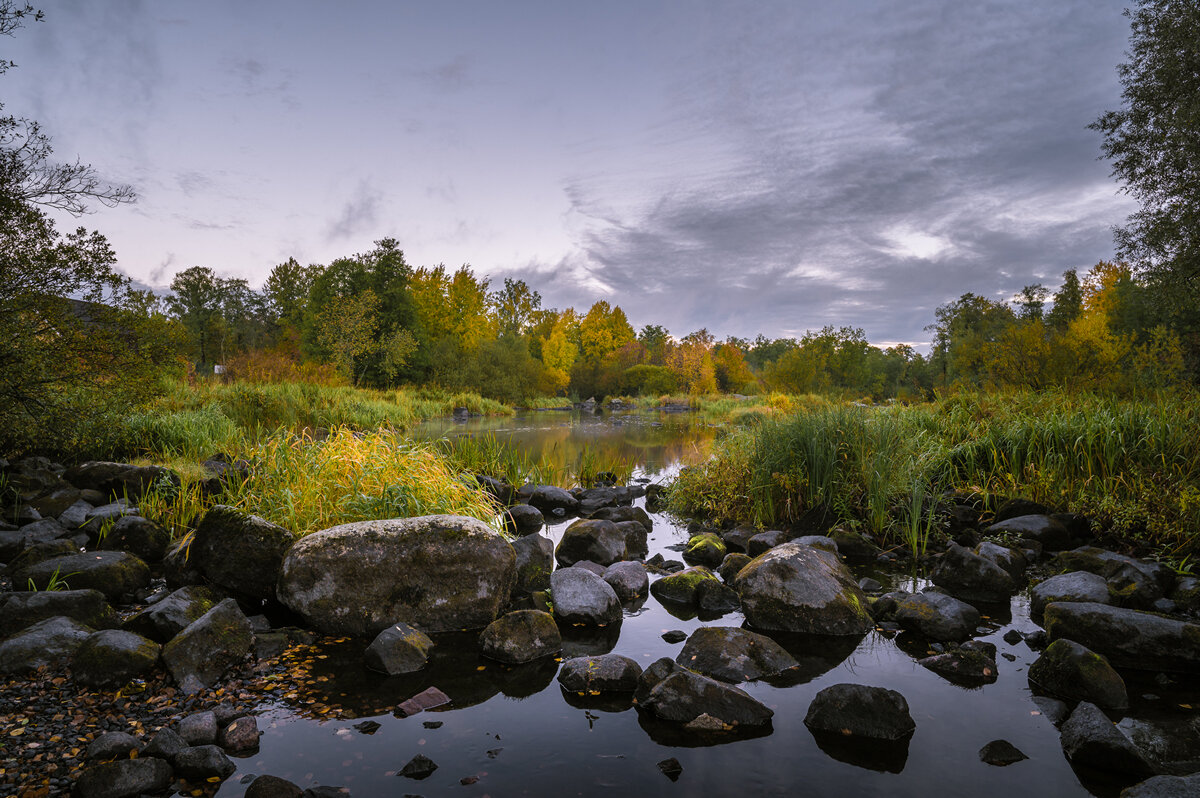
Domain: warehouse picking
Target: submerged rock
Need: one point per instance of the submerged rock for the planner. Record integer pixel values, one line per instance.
(1001, 753)
(439, 572)
(796, 588)
(734, 655)
(521, 636)
(966, 666)
(398, 649)
(1073, 672)
(607, 673)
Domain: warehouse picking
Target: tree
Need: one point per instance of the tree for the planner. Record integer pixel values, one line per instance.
(1068, 302)
(347, 331)
(515, 306)
(196, 302)
(1153, 141)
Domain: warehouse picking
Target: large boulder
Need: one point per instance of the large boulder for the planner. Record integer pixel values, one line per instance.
(969, 576)
(208, 647)
(553, 502)
(21, 610)
(600, 542)
(1165, 787)
(535, 562)
(398, 649)
(796, 588)
(239, 552)
(734, 655)
(607, 673)
(581, 597)
(856, 710)
(937, 617)
(1089, 738)
(438, 572)
(521, 636)
(676, 694)
(1073, 672)
(124, 778)
(113, 573)
(1075, 586)
(169, 616)
(121, 480)
(48, 642)
(138, 536)
(1109, 564)
(1047, 531)
(111, 657)
(627, 579)
(1128, 638)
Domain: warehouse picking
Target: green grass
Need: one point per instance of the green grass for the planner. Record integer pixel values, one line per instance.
(1131, 465)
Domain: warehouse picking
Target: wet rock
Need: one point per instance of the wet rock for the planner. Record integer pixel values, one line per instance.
(521, 636)
(165, 744)
(608, 673)
(855, 710)
(124, 778)
(705, 549)
(884, 607)
(1073, 672)
(732, 565)
(199, 728)
(111, 745)
(964, 666)
(969, 576)
(398, 649)
(588, 539)
(682, 695)
(13, 542)
(937, 617)
(110, 658)
(1106, 563)
(765, 541)
(164, 619)
(524, 519)
(628, 580)
(1052, 709)
(440, 573)
(580, 596)
(272, 787)
(203, 762)
(553, 501)
(714, 598)
(619, 515)
(1051, 534)
(419, 767)
(822, 542)
(1131, 585)
(852, 544)
(535, 562)
(50, 642)
(1015, 508)
(139, 536)
(239, 552)
(1000, 753)
(796, 588)
(734, 655)
(40, 552)
(636, 539)
(674, 636)
(681, 587)
(1165, 787)
(121, 480)
(738, 538)
(21, 610)
(209, 646)
(594, 567)
(1089, 738)
(1075, 586)
(426, 699)
(671, 768)
(869, 585)
(239, 736)
(1128, 638)
(113, 573)
(1011, 560)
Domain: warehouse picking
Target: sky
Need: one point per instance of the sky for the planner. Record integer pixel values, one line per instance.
(749, 167)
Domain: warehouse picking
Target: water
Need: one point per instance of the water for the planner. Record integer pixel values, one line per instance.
(519, 734)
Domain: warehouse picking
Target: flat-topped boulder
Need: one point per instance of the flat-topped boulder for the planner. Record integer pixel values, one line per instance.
(1075, 586)
(1128, 638)
(113, 573)
(1047, 531)
(937, 617)
(797, 588)
(438, 572)
(48, 642)
(21, 610)
(734, 655)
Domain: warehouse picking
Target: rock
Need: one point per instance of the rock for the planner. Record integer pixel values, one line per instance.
(199, 728)
(852, 545)
(1128, 638)
(636, 539)
(588, 539)
(272, 787)
(105, 516)
(712, 597)
(1000, 753)
(426, 699)
(1011, 560)
(240, 735)
(1015, 508)
(607, 673)
(869, 585)
(855, 710)
(398, 649)
(1186, 594)
(732, 565)
(619, 515)
(138, 536)
(124, 778)
(1165, 787)
(50, 642)
(1089, 738)
(239, 552)
(535, 562)
(937, 617)
(39, 552)
(967, 667)
(705, 549)
(419, 767)
(498, 489)
(1130, 585)
(439, 572)
(765, 541)
(671, 768)
(113, 573)
(1107, 564)
(581, 597)
(1051, 534)
(674, 636)
(734, 655)
(76, 515)
(595, 568)
(203, 762)
(1073, 672)
(210, 645)
(822, 542)
(1075, 586)
(165, 744)
(524, 519)
(21, 610)
(553, 501)
(681, 696)
(521, 636)
(13, 542)
(681, 588)
(121, 480)
(110, 658)
(111, 745)
(738, 538)
(797, 588)
(56, 500)
(628, 580)
(969, 576)
(164, 619)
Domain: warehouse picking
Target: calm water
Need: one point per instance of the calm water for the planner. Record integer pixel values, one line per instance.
(517, 732)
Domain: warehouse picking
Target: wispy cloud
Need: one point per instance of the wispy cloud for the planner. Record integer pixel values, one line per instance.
(358, 215)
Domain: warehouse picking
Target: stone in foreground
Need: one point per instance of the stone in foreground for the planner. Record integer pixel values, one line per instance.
(679, 695)
(521, 636)
(734, 655)
(398, 649)
(607, 673)
(124, 777)
(207, 648)
(797, 588)
(581, 597)
(1090, 738)
(856, 710)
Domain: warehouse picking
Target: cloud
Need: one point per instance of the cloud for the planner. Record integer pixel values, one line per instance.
(452, 76)
(359, 214)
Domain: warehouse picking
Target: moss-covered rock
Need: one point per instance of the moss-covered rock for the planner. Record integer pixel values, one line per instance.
(1128, 638)
(796, 588)
(734, 655)
(239, 552)
(521, 636)
(1073, 672)
(199, 655)
(168, 617)
(138, 536)
(398, 649)
(681, 587)
(110, 658)
(23, 609)
(113, 573)
(705, 549)
(535, 562)
(937, 617)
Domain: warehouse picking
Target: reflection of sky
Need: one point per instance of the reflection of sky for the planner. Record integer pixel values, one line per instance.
(750, 166)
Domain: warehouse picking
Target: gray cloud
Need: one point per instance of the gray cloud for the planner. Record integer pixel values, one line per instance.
(358, 215)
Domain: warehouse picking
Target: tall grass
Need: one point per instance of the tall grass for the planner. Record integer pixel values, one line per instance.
(1132, 465)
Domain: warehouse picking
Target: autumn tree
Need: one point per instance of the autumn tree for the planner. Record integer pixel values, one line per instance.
(347, 328)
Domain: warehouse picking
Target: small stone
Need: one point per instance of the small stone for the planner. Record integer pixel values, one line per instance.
(1012, 637)
(427, 699)
(671, 768)
(433, 724)
(111, 745)
(370, 727)
(199, 729)
(1000, 753)
(240, 735)
(419, 767)
(674, 636)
